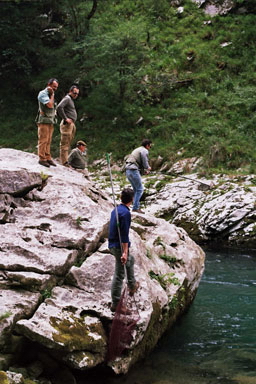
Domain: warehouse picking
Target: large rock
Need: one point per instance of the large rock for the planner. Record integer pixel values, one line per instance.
(224, 211)
(223, 7)
(54, 252)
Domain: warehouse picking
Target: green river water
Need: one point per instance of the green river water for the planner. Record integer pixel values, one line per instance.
(215, 341)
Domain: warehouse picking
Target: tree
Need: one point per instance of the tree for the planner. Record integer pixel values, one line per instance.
(112, 60)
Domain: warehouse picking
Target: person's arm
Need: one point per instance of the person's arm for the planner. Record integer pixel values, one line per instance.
(144, 160)
(50, 104)
(125, 222)
(46, 97)
(71, 156)
(124, 256)
(61, 109)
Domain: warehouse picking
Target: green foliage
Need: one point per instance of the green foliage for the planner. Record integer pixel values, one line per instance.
(79, 221)
(159, 241)
(191, 82)
(165, 279)
(173, 304)
(46, 293)
(44, 177)
(5, 315)
(168, 259)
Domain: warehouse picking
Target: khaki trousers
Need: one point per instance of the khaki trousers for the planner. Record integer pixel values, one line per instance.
(68, 132)
(45, 132)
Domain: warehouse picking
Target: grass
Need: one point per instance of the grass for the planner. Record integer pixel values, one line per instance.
(189, 86)
(5, 315)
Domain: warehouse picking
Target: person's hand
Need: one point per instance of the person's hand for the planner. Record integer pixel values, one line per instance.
(124, 258)
(147, 171)
(50, 91)
(69, 121)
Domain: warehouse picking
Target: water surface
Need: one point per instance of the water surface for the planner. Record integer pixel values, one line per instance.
(215, 341)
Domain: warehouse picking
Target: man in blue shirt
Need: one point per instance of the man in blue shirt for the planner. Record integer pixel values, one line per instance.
(45, 122)
(119, 243)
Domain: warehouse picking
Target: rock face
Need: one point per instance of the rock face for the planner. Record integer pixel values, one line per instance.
(56, 270)
(215, 7)
(218, 210)
(223, 7)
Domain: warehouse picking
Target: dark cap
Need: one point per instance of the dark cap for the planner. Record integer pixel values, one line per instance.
(80, 142)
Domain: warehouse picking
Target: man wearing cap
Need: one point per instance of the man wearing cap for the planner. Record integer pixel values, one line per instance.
(77, 158)
(67, 111)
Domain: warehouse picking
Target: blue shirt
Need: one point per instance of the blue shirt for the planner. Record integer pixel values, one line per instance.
(43, 96)
(124, 218)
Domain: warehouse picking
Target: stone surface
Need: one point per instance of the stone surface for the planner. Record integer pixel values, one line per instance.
(56, 269)
(225, 211)
(216, 7)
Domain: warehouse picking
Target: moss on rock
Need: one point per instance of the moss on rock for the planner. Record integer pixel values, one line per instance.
(3, 378)
(84, 333)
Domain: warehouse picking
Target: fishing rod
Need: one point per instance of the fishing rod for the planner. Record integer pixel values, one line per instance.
(209, 186)
(114, 199)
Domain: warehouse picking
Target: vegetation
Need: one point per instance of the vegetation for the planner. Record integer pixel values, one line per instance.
(185, 80)
(5, 315)
(164, 280)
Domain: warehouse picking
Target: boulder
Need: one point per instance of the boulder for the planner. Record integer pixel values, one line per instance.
(223, 212)
(56, 269)
(216, 7)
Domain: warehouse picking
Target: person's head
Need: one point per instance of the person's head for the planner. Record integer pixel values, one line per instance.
(146, 143)
(74, 91)
(81, 145)
(127, 195)
(53, 83)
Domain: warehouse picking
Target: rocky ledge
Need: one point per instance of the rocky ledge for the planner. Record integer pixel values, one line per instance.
(56, 271)
(216, 210)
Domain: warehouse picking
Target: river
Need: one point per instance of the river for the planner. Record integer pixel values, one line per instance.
(215, 341)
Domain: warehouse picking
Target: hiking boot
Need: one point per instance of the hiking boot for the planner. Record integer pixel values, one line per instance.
(51, 162)
(66, 165)
(134, 289)
(138, 210)
(44, 163)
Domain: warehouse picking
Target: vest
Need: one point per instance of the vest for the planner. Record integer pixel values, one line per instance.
(46, 115)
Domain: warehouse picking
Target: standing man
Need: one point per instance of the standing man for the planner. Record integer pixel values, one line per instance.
(67, 111)
(136, 165)
(45, 121)
(119, 247)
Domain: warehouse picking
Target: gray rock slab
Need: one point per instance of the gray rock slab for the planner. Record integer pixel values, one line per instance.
(32, 281)
(224, 211)
(18, 183)
(21, 255)
(15, 305)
